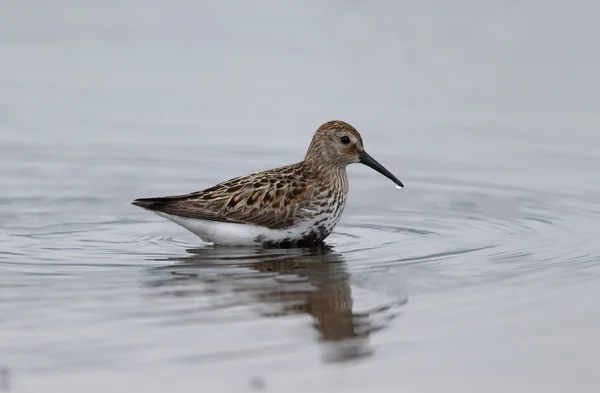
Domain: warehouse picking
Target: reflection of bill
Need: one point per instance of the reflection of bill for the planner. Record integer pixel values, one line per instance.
(4, 379)
(313, 282)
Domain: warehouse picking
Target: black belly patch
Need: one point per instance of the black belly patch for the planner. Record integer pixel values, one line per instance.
(311, 238)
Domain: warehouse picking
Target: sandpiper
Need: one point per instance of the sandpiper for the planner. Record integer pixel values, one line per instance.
(295, 205)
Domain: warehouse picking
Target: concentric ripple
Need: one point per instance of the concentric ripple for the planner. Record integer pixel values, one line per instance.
(470, 238)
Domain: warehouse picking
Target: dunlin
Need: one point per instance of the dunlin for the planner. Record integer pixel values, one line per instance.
(295, 205)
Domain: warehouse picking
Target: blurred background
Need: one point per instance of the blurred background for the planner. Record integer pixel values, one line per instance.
(481, 275)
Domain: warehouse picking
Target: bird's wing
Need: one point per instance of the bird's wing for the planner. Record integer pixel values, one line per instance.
(275, 199)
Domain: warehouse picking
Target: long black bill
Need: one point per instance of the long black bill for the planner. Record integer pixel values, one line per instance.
(370, 161)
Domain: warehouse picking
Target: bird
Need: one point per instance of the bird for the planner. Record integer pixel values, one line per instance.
(296, 205)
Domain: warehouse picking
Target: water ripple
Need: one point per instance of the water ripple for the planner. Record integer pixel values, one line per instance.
(115, 271)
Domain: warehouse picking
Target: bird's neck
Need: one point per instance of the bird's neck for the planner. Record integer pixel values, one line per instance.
(327, 173)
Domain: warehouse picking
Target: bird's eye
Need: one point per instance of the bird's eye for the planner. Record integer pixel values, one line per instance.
(345, 140)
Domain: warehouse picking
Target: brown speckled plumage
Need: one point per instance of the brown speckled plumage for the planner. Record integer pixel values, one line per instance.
(313, 190)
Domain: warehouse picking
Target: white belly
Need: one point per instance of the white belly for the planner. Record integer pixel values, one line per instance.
(229, 234)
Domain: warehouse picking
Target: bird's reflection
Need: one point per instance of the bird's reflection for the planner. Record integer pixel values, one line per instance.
(301, 281)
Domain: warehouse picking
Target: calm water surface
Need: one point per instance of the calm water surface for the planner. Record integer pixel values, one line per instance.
(482, 275)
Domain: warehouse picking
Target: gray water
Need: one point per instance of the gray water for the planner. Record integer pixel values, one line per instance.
(482, 275)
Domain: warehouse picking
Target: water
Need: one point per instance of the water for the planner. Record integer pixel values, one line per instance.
(482, 274)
